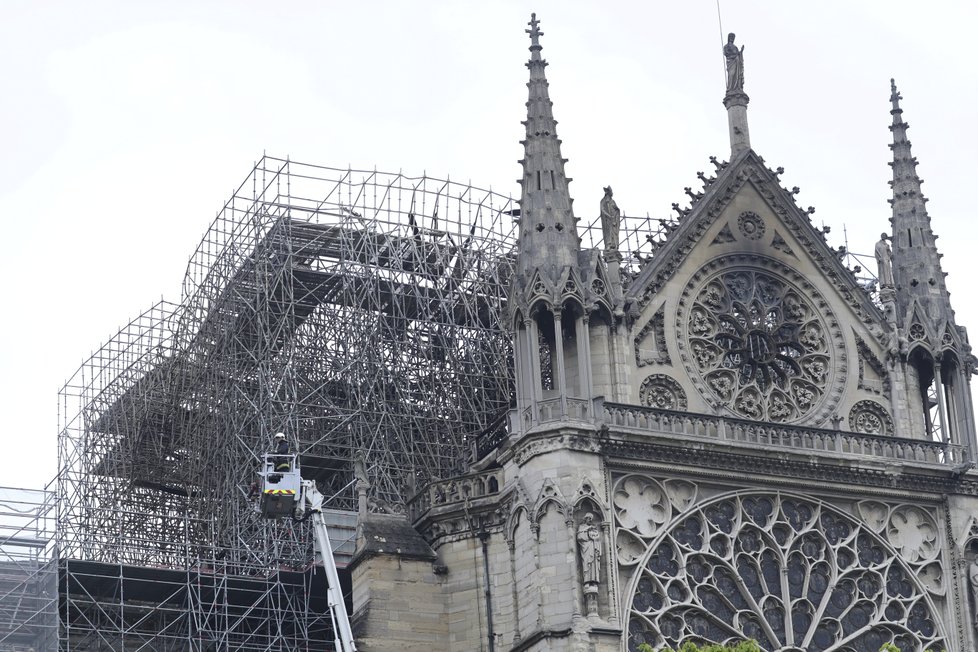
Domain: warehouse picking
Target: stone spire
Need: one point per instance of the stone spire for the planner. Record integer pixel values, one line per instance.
(917, 271)
(548, 230)
(736, 99)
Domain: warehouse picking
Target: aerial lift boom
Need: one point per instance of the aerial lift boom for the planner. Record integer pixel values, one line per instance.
(284, 494)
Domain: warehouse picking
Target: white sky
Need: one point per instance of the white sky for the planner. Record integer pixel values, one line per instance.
(125, 126)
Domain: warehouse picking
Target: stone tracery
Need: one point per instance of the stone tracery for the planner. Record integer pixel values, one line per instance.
(662, 392)
(790, 572)
(871, 418)
(759, 346)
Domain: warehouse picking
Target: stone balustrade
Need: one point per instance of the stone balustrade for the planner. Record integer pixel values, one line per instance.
(787, 437)
(551, 409)
(455, 491)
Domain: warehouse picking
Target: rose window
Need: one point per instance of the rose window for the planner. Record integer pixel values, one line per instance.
(759, 346)
(792, 574)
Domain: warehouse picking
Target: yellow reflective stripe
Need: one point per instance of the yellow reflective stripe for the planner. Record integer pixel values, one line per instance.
(279, 492)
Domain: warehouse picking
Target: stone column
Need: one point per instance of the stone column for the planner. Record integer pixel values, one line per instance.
(517, 636)
(560, 379)
(575, 573)
(736, 104)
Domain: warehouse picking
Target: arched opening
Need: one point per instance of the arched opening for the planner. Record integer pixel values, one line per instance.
(546, 351)
(931, 409)
(949, 388)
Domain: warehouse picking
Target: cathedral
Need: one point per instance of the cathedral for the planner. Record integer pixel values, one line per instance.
(739, 441)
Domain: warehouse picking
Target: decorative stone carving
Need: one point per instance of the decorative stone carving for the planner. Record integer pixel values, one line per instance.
(873, 514)
(597, 287)
(973, 584)
(650, 345)
(913, 534)
(751, 225)
(681, 493)
(641, 505)
(662, 392)
(648, 285)
(931, 577)
(947, 339)
(873, 376)
(778, 242)
(871, 418)
(724, 236)
(917, 332)
(760, 345)
(790, 572)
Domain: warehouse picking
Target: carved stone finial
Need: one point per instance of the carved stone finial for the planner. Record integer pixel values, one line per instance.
(895, 96)
(534, 31)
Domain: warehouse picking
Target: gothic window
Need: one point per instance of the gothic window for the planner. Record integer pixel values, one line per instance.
(793, 574)
(759, 346)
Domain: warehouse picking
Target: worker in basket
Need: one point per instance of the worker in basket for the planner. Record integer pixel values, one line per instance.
(281, 447)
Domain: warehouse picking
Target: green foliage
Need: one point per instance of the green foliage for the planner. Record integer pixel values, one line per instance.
(743, 646)
(890, 647)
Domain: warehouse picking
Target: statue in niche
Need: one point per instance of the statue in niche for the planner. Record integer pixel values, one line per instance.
(973, 582)
(884, 262)
(735, 65)
(610, 220)
(589, 544)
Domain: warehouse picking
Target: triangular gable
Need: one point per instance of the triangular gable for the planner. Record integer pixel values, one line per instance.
(950, 338)
(749, 169)
(919, 329)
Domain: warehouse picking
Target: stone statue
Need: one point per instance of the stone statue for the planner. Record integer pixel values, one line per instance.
(884, 262)
(589, 544)
(589, 541)
(973, 581)
(735, 66)
(610, 220)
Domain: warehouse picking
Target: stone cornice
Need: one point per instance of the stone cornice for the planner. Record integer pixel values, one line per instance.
(767, 467)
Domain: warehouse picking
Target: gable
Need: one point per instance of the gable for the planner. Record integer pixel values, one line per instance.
(760, 316)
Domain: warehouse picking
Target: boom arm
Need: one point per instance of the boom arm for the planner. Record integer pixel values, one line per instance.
(283, 494)
(312, 501)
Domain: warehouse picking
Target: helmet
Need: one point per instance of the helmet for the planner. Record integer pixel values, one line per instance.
(279, 435)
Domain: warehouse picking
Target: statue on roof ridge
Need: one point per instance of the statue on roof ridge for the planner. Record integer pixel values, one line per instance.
(735, 65)
(610, 220)
(884, 261)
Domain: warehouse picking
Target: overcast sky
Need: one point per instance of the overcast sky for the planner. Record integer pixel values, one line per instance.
(125, 126)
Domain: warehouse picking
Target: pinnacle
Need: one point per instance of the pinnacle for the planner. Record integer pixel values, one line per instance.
(548, 234)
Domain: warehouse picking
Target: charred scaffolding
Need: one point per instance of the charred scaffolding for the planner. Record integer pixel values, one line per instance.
(360, 312)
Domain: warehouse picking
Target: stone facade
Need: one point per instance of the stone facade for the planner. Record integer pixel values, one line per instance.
(740, 442)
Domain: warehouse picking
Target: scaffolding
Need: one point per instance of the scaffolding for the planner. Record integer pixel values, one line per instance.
(28, 571)
(363, 314)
